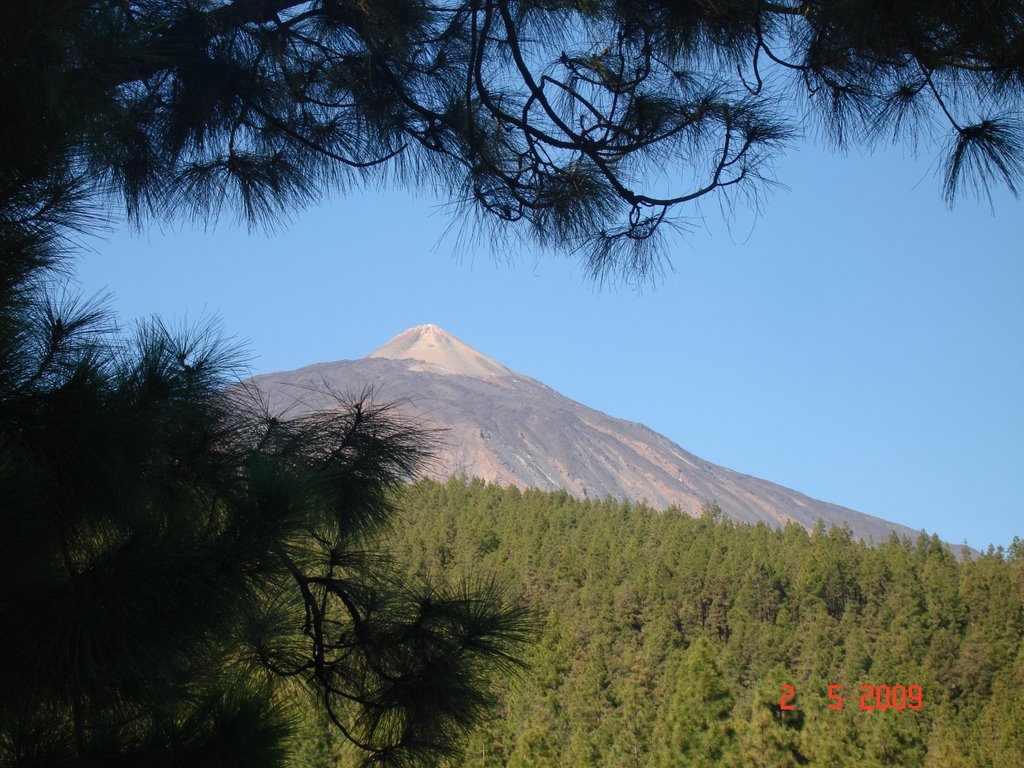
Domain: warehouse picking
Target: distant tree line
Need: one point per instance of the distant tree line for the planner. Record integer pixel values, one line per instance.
(667, 638)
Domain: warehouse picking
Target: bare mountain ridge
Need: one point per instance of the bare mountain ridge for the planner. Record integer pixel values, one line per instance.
(509, 429)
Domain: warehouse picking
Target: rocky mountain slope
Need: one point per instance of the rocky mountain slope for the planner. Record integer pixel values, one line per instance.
(512, 430)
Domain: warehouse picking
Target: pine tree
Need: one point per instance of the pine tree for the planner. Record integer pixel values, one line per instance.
(697, 727)
(180, 571)
(261, 106)
(772, 737)
(542, 716)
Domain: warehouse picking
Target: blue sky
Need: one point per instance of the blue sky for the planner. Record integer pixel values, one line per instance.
(856, 340)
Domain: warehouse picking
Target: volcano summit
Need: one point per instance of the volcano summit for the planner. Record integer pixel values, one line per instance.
(509, 429)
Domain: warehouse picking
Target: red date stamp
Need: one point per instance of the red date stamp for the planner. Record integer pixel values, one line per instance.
(872, 697)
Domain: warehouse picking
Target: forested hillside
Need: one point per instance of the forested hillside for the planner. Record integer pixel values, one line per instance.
(665, 640)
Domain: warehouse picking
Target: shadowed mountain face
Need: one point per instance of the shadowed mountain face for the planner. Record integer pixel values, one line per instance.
(512, 430)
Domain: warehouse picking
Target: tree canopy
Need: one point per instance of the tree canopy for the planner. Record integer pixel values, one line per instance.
(586, 125)
(182, 572)
(667, 638)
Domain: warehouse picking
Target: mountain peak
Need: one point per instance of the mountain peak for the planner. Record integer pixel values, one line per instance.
(510, 429)
(440, 352)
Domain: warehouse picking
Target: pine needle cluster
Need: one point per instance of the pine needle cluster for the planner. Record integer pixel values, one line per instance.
(587, 126)
(181, 570)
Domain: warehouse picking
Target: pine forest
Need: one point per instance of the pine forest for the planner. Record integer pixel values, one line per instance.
(665, 640)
